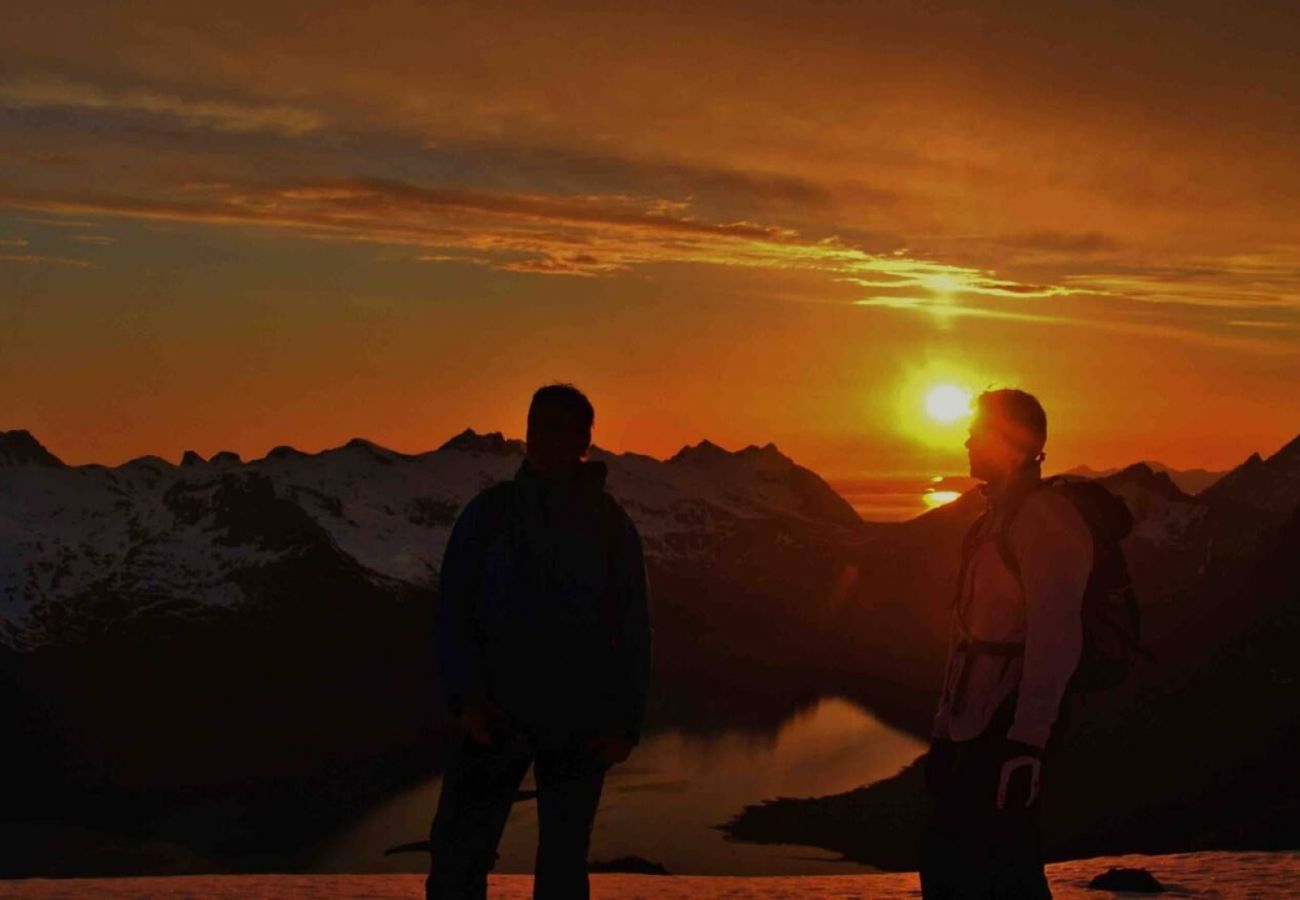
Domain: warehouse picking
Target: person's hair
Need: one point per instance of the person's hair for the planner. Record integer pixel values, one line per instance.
(1023, 420)
(565, 399)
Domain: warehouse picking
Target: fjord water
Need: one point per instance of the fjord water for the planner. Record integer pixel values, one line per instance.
(663, 803)
(897, 498)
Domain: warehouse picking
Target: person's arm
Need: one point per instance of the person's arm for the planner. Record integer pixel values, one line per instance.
(456, 634)
(1053, 546)
(637, 633)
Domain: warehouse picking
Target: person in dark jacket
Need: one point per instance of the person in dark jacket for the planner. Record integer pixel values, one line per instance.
(543, 635)
(1017, 637)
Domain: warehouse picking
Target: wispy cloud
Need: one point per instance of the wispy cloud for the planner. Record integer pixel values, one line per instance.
(1230, 282)
(13, 242)
(58, 223)
(592, 235)
(944, 312)
(37, 259)
(540, 233)
(200, 112)
(1262, 323)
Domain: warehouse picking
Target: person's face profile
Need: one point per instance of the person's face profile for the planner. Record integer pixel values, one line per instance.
(987, 449)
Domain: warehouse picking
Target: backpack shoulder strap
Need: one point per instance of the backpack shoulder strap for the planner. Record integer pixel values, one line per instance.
(968, 543)
(1004, 527)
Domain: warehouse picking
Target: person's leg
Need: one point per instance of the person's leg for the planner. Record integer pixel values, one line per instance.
(937, 861)
(477, 792)
(957, 852)
(1017, 850)
(568, 792)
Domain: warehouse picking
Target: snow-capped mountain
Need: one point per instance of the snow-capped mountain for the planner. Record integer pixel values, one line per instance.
(152, 534)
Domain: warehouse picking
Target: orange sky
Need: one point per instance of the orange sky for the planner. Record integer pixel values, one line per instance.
(748, 222)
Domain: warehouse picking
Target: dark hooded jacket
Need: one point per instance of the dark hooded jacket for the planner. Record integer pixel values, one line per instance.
(542, 607)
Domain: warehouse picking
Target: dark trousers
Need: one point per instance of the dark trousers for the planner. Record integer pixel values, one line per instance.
(973, 849)
(477, 792)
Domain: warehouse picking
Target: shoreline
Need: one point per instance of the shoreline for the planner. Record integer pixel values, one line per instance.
(1206, 874)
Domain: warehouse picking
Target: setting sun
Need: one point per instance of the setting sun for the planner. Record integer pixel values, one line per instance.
(947, 403)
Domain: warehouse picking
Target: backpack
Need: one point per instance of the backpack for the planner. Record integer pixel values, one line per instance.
(1112, 620)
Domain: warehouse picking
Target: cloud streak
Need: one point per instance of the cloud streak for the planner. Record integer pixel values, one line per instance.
(594, 235)
(584, 235)
(215, 114)
(41, 260)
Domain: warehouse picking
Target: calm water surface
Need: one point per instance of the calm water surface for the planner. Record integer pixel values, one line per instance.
(663, 802)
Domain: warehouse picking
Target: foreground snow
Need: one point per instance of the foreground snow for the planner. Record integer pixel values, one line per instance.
(1228, 875)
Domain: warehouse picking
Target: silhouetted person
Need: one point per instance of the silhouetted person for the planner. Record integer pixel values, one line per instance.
(1016, 640)
(543, 641)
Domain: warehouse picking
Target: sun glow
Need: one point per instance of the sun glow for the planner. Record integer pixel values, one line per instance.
(933, 406)
(943, 285)
(947, 403)
(939, 498)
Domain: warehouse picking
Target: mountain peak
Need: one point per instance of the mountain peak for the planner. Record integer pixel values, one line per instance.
(492, 444)
(1288, 455)
(192, 458)
(766, 457)
(702, 453)
(768, 452)
(19, 448)
(147, 461)
(380, 453)
(1143, 475)
(1272, 485)
(284, 451)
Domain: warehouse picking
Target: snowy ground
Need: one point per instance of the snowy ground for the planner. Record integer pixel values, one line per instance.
(1227, 875)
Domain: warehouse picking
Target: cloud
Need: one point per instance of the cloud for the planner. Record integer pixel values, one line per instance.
(209, 113)
(522, 232)
(13, 242)
(592, 235)
(1088, 242)
(58, 223)
(1262, 323)
(944, 312)
(1233, 281)
(36, 259)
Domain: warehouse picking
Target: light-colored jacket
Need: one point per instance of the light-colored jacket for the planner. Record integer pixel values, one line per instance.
(1053, 546)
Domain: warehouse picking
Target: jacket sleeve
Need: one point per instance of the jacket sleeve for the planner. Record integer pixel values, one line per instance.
(457, 641)
(637, 633)
(1053, 546)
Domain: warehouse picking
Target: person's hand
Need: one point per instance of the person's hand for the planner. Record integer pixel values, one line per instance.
(1021, 775)
(609, 749)
(483, 720)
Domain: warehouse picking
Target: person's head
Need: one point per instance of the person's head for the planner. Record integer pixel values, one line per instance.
(559, 427)
(1007, 433)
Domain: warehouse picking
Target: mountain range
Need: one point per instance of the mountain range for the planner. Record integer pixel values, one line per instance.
(1190, 481)
(224, 660)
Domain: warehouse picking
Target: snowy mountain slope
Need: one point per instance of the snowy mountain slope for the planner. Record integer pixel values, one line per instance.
(149, 532)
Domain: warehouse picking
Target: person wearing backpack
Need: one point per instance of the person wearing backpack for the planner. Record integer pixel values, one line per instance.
(542, 633)
(1042, 608)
